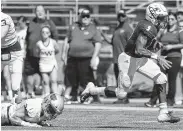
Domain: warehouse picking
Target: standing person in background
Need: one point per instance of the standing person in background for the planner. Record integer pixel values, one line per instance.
(11, 55)
(65, 49)
(119, 40)
(47, 48)
(21, 33)
(32, 58)
(180, 24)
(84, 45)
(170, 38)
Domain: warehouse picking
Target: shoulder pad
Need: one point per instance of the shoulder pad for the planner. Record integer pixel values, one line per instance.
(33, 107)
(147, 29)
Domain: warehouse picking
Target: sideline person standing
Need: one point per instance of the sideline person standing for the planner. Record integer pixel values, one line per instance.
(84, 45)
(32, 58)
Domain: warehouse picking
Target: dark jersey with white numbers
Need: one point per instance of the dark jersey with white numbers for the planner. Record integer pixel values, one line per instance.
(146, 28)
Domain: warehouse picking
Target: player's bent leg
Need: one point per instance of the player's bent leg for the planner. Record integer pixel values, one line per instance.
(90, 90)
(152, 70)
(126, 65)
(15, 68)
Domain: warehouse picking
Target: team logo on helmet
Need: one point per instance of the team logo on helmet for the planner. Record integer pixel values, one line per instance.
(157, 14)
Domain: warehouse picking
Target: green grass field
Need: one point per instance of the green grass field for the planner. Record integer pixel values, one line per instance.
(107, 116)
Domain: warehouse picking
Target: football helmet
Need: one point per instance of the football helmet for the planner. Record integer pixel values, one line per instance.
(53, 105)
(157, 14)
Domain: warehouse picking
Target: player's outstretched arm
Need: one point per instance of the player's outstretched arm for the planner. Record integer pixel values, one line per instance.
(16, 120)
(165, 64)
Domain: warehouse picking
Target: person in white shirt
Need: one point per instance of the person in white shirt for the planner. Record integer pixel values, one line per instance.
(47, 48)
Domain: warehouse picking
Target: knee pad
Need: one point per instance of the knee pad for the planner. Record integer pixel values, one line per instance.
(161, 79)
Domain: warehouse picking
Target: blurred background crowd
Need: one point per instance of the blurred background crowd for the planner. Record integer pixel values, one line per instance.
(87, 37)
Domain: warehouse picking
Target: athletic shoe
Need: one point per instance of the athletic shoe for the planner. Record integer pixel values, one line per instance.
(86, 93)
(168, 117)
(149, 104)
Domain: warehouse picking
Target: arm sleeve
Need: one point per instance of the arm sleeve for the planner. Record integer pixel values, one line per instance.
(97, 37)
(140, 50)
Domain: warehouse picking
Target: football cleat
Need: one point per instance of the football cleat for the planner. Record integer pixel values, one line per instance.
(86, 93)
(149, 104)
(168, 117)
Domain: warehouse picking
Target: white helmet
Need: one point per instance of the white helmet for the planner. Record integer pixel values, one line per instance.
(53, 105)
(157, 14)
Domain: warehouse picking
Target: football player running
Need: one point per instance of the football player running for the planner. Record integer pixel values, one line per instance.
(140, 54)
(32, 112)
(11, 53)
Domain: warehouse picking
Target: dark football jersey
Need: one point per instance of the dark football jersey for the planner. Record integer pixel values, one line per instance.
(146, 28)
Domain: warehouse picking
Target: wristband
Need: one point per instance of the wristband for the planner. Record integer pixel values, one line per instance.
(154, 56)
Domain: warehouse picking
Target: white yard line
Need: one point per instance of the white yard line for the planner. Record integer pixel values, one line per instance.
(91, 107)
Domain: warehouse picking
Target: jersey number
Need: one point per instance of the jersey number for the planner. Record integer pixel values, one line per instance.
(3, 22)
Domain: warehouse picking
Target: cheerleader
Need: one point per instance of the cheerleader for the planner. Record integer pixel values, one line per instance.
(47, 48)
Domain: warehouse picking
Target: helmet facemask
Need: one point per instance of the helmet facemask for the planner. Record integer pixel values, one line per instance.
(162, 21)
(52, 106)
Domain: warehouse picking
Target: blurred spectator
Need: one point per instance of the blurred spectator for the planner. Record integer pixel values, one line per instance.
(170, 38)
(120, 36)
(180, 23)
(21, 32)
(84, 45)
(47, 48)
(32, 58)
(180, 17)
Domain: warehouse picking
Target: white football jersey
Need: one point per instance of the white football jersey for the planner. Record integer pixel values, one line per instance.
(33, 107)
(11, 37)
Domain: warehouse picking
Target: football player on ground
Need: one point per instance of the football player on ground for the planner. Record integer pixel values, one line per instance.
(140, 53)
(32, 112)
(11, 53)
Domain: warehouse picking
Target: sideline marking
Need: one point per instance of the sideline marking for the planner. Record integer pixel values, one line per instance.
(91, 107)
